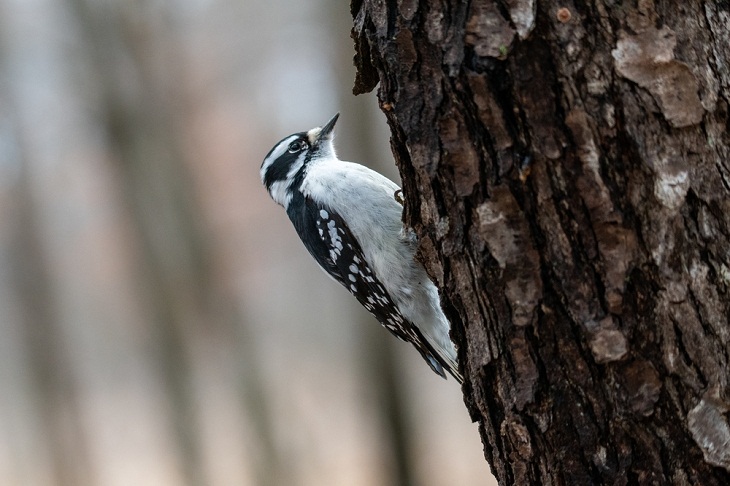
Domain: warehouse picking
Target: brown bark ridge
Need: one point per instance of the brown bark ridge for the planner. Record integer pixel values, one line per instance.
(567, 167)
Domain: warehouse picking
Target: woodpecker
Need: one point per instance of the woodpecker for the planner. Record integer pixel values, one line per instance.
(349, 219)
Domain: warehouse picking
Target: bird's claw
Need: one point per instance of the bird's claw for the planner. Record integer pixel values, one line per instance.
(398, 196)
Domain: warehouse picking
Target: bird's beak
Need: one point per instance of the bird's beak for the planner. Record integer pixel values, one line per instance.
(326, 131)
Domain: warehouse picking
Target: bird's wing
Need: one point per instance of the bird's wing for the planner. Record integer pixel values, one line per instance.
(338, 252)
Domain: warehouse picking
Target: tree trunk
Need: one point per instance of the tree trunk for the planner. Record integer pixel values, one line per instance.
(567, 167)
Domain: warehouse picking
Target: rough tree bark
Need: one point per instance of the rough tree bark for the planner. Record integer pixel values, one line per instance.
(567, 167)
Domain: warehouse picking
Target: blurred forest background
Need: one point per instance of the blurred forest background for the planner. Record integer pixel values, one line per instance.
(160, 323)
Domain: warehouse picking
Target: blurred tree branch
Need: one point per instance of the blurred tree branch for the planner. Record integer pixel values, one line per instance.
(140, 64)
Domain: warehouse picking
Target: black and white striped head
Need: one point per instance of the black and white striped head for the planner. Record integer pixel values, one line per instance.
(284, 166)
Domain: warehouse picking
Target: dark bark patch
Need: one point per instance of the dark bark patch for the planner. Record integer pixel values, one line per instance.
(366, 76)
(617, 245)
(490, 112)
(526, 374)
(406, 50)
(521, 446)
(642, 386)
(461, 157)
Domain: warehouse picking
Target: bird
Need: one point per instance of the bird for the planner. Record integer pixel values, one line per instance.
(348, 217)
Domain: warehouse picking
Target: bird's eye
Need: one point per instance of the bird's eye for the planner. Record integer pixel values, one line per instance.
(296, 146)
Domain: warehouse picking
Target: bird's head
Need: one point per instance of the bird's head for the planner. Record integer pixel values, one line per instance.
(288, 159)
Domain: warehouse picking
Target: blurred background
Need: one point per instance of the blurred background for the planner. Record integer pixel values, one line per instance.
(160, 322)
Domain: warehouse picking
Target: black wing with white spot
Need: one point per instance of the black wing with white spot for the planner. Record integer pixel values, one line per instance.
(329, 240)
